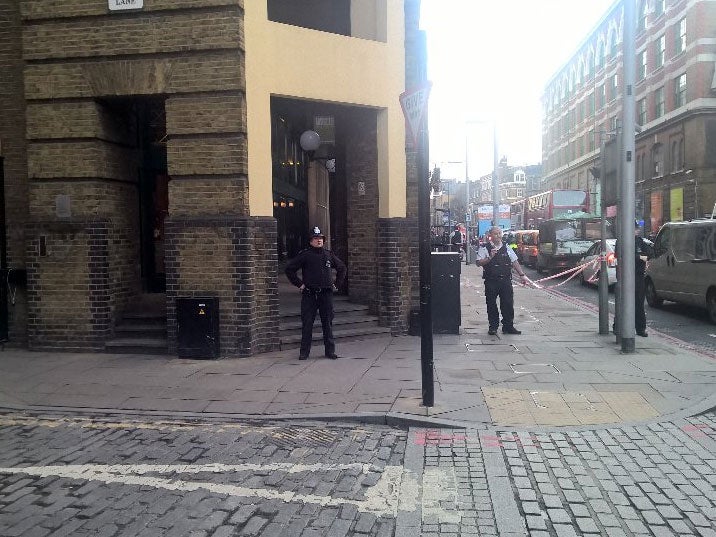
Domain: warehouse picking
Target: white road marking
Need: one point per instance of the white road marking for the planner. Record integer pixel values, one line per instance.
(396, 488)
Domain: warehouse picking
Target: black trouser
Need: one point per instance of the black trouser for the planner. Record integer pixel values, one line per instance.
(639, 295)
(639, 313)
(501, 287)
(321, 300)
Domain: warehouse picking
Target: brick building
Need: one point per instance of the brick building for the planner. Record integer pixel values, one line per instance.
(152, 147)
(675, 108)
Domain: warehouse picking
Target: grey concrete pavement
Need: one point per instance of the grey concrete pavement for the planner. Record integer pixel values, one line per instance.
(559, 372)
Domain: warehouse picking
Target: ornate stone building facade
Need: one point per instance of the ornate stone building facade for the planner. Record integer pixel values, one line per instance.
(675, 112)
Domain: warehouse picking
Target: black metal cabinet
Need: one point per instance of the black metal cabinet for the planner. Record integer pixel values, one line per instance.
(198, 327)
(445, 292)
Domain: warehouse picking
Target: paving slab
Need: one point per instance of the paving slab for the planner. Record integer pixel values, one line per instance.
(477, 377)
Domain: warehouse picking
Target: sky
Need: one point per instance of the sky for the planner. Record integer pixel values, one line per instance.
(489, 60)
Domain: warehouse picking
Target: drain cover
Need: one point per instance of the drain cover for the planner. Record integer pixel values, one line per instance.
(290, 437)
(490, 347)
(534, 368)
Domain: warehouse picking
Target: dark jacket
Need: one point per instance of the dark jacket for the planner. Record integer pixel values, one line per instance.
(641, 248)
(500, 267)
(316, 265)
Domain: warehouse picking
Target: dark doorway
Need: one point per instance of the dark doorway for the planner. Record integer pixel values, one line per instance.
(150, 124)
(138, 124)
(3, 259)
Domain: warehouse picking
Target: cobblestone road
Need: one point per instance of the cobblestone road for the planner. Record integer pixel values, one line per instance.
(71, 476)
(657, 479)
(88, 477)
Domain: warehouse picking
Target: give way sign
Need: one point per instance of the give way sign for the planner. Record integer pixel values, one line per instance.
(414, 103)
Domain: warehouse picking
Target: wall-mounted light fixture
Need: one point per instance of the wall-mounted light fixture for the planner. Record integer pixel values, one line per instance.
(310, 142)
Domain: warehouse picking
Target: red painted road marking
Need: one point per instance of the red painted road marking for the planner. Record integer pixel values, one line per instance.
(432, 437)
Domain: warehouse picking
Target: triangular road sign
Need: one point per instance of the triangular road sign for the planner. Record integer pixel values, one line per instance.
(414, 103)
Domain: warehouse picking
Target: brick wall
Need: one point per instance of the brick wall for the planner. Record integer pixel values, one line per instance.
(362, 166)
(235, 260)
(72, 311)
(82, 144)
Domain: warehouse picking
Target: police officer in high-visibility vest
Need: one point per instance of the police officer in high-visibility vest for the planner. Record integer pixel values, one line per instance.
(497, 260)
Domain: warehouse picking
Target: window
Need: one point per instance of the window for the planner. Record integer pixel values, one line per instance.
(680, 91)
(675, 157)
(680, 35)
(659, 50)
(657, 161)
(591, 104)
(599, 57)
(613, 49)
(641, 65)
(613, 124)
(641, 112)
(592, 141)
(615, 87)
(638, 168)
(588, 68)
(659, 8)
(602, 90)
(659, 102)
(643, 13)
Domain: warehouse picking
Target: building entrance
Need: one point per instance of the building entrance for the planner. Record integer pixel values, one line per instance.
(3, 260)
(144, 118)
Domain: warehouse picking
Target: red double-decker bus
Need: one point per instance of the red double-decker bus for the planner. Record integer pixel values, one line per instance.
(553, 203)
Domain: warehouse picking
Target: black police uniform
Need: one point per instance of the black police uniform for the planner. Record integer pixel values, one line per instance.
(498, 282)
(316, 265)
(641, 248)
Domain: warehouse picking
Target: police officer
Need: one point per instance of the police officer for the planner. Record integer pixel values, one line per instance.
(497, 260)
(317, 287)
(643, 251)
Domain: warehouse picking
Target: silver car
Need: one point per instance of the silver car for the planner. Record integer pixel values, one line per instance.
(590, 274)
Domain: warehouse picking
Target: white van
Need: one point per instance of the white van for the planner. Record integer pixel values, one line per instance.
(684, 265)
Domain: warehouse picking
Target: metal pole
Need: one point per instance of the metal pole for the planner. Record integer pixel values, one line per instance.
(426, 313)
(627, 184)
(495, 178)
(467, 204)
(603, 276)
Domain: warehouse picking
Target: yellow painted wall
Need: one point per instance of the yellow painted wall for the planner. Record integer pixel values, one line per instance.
(289, 61)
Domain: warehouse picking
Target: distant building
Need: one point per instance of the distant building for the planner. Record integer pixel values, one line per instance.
(675, 108)
(516, 182)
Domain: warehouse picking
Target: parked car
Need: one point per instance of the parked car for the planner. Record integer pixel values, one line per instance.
(527, 243)
(590, 274)
(684, 265)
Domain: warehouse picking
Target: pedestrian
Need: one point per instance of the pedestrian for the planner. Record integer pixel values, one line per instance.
(317, 287)
(456, 239)
(497, 260)
(643, 251)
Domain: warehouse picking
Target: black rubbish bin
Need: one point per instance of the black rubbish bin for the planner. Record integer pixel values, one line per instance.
(198, 327)
(445, 292)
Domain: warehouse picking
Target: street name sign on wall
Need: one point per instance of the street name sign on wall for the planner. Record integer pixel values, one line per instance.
(414, 103)
(119, 5)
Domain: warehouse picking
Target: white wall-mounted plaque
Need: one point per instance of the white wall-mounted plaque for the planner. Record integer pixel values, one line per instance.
(117, 5)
